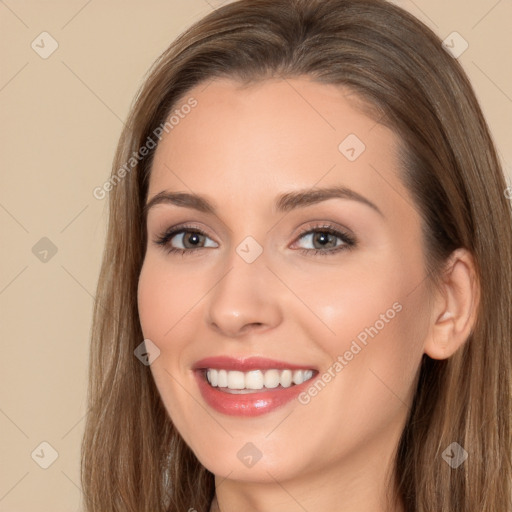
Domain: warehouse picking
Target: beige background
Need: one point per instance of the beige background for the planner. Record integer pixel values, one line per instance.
(61, 118)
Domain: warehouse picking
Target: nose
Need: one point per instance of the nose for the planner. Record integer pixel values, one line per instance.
(246, 298)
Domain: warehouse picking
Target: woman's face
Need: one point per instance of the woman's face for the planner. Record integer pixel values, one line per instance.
(264, 279)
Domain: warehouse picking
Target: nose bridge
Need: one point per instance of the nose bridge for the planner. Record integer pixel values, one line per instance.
(243, 295)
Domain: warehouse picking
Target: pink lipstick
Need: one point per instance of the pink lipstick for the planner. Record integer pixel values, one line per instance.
(250, 386)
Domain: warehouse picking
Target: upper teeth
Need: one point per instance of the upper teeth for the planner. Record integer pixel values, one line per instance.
(256, 379)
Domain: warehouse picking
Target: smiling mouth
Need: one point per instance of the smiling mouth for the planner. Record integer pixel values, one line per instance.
(237, 382)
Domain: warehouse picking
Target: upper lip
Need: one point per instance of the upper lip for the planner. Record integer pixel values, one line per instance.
(245, 364)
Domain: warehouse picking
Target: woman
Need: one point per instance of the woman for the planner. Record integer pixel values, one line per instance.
(304, 301)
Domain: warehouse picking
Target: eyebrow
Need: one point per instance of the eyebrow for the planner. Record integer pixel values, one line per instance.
(283, 203)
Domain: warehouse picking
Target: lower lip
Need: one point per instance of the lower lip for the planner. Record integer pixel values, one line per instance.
(249, 404)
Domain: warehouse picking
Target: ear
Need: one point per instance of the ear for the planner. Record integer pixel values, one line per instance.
(455, 307)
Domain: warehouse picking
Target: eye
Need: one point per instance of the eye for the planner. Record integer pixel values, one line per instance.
(187, 238)
(330, 240)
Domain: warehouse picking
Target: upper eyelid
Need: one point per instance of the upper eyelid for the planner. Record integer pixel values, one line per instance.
(209, 215)
(187, 228)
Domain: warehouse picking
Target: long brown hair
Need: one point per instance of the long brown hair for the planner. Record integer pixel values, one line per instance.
(133, 459)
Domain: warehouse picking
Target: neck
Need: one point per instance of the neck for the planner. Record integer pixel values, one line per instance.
(361, 484)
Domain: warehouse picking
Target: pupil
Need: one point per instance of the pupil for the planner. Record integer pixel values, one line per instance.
(193, 238)
(323, 238)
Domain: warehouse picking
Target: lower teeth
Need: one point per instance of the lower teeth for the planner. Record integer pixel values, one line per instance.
(246, 391)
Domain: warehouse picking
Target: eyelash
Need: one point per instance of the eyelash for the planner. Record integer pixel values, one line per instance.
(350, 241)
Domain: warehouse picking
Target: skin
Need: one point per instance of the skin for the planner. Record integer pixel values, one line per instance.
(241, 147)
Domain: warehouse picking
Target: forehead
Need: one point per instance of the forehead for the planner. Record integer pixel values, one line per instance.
(274, 134)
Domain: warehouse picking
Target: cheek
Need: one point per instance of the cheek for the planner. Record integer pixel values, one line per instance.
(152, 302)
(163, 303)
(345, 301)
(164, 297)
(371, 318)
(373, 352)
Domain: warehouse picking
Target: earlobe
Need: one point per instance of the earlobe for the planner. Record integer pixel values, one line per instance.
(455, 308)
